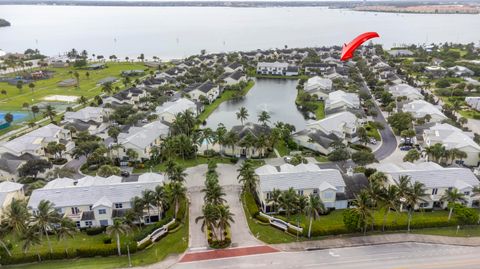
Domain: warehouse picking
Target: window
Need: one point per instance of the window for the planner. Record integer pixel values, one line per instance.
(75, 210)
(118, 205)
(102, 211)
(90, 208)
(467, 193)
(269, 195)
(328, 195)
(88, 223)
(78, 224)
(434, 191)
(423, 205)
(300, 192)
(104, 222)
(315, 191)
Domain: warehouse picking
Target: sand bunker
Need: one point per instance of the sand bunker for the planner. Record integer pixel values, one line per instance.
(62, 98)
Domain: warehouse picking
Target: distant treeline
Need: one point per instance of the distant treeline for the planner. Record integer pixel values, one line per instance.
(331, 4)
(4, 23)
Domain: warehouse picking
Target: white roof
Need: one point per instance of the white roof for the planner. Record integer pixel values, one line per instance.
(104, 201)
(266, 169)
(318, 83)
(351, 100)
(85, 114)
(420, 108)
(8, 186)
(449, 136)
(33, 140)
(405, 90)
(92, 194)
(142, 137)
(274, 64)
(335, 123)
(285, 179)
(97, 180)
(179, 106)
(432, 175)
(151, 177)
(60, 183)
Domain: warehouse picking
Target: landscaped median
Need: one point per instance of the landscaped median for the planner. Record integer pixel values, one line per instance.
(338, 222)
(93, 249)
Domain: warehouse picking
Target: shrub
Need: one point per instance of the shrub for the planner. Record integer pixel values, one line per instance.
(262, 218)
(107, 240)
(59, 161)
(251, 204)
(173, 226)
(360, 147)
(351, 220)
(150, 228)
(465, 216)
(95, 230)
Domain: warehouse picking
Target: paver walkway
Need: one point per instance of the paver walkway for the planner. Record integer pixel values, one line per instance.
(227, 253)
(378, 240)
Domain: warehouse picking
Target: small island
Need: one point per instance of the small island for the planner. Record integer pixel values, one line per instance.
(4, 23)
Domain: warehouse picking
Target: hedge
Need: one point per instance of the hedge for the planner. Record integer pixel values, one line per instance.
(262, 218)
(251, 204)
(144, 244)
(148, 229)
(96, 230)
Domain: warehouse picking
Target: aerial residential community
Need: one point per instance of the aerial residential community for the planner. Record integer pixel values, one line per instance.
(110, 161)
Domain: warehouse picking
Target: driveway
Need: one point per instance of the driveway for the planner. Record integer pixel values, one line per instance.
(75, 164)
(241, 235)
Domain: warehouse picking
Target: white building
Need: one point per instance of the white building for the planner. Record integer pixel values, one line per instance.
(473, 102)
(461, 71)
(91, 119)
(342, 100)
(168, 110)
(143, 139)
(8, 192)
(420, 108)
(436, 179)
(451, 137)
(276, 68)
(36, 141)
(305, 179)
(95, 201)
(319, 86)
(207, 89)
(405, 90)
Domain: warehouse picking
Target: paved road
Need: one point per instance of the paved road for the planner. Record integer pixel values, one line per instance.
(395, 256)
(389, 141)
(76, 164)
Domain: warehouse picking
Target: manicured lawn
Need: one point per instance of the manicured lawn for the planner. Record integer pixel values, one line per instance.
(282, 148)
(470, 114)
(227, 95)
(372, 131)
(467, 231)
(174, 243)
(185, 163)
(320, 112)
(322, 159)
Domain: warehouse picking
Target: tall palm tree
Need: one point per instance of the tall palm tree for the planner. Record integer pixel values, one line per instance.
(403, 185)
(414, 196)
(362, 207)
(389, 200)
(3, 232)
(209, 218)
(275, 198)
(16, 216)
(213, 192)
(220, 135)
(107, 88)
(176, 192)
(207, 136)
(288, 201)
(452, 196)
(375, 192)
(148, 198)
(66, 229)
(35, 111)
(314, 208)
(118, 227)
(178, 174)
(225, 218)
(160, 199)
(45, 218)
(231, 140)
(137, 208)
(49, 112)
(264, 118)
(247, 177)
(30, 238)
(242, 114)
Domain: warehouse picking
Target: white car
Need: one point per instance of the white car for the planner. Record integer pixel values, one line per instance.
(373, 141)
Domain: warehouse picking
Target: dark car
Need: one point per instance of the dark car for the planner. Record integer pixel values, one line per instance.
(125, 174)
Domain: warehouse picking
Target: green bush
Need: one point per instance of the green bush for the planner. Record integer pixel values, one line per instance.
(465, 216)
(144, 245)
(262, 218)
(251, 204)
(105, 251)
(148, 229)
(173, 226)
(107, 240)
(360, 147)
(95, 230)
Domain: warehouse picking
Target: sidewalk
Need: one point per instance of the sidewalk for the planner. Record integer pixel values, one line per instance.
(378, 240)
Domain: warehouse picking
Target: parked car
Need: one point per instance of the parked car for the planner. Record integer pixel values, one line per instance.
(406, 148)
(125, 173)
(373, 141)
(287, 159)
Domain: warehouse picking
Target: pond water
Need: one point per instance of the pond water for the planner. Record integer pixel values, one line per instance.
(17, 116)
(276, 96)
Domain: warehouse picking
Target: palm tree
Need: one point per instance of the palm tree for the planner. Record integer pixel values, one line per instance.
(118, 227)
(77, 77)
(4, 232)
(178, 174)
(264, 117)
(176, 191)
(414, 196)
(403, 188)
(66, 229)
(31, 86)
(210, 217)
(45, 217)
(314, 208)
(137, 208)
(389, 200)
(49, 112)
(288, 201)
(160, 199)
(35, 110)
(16, 216)
(361, 206)
(452, 196)
(231, 140)
(242, 114)
(274, 198)
(107, 88)
(148, 198)
(247, 177)
(375, 192)
(225, 217)
(213, 192)
(30, 237)
(220, 135)
(207, 136)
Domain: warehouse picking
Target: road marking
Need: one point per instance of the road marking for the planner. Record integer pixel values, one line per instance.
(333, 254)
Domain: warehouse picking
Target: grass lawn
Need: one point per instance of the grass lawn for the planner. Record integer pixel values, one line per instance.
(470, 114)
(282, 148)
(174, 243)
(467, 231)
(320, 112)
(322, 159)
(185, 163)
(227, 95)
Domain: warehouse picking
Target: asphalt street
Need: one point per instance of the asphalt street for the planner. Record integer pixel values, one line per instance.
(392, 256)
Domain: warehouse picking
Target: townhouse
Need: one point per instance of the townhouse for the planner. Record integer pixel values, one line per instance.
(461, 71)
(436, 179)
(142, 139)
(9, 191)
(233, 78)
(339, 101)
(208, 90)
(421, 108)
(129, 96)
(169, 110)
(96, 201)
(243, 148)
(91, 119)
(318, 86)
(453, 138)
(406, 91)
(275, 68)
(305, 179)
(10, 163)
(35, 142)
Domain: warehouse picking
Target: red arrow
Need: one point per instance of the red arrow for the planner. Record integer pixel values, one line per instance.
(348, 50)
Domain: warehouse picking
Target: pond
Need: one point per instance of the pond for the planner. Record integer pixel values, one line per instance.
(276, 96)
(18, 116)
